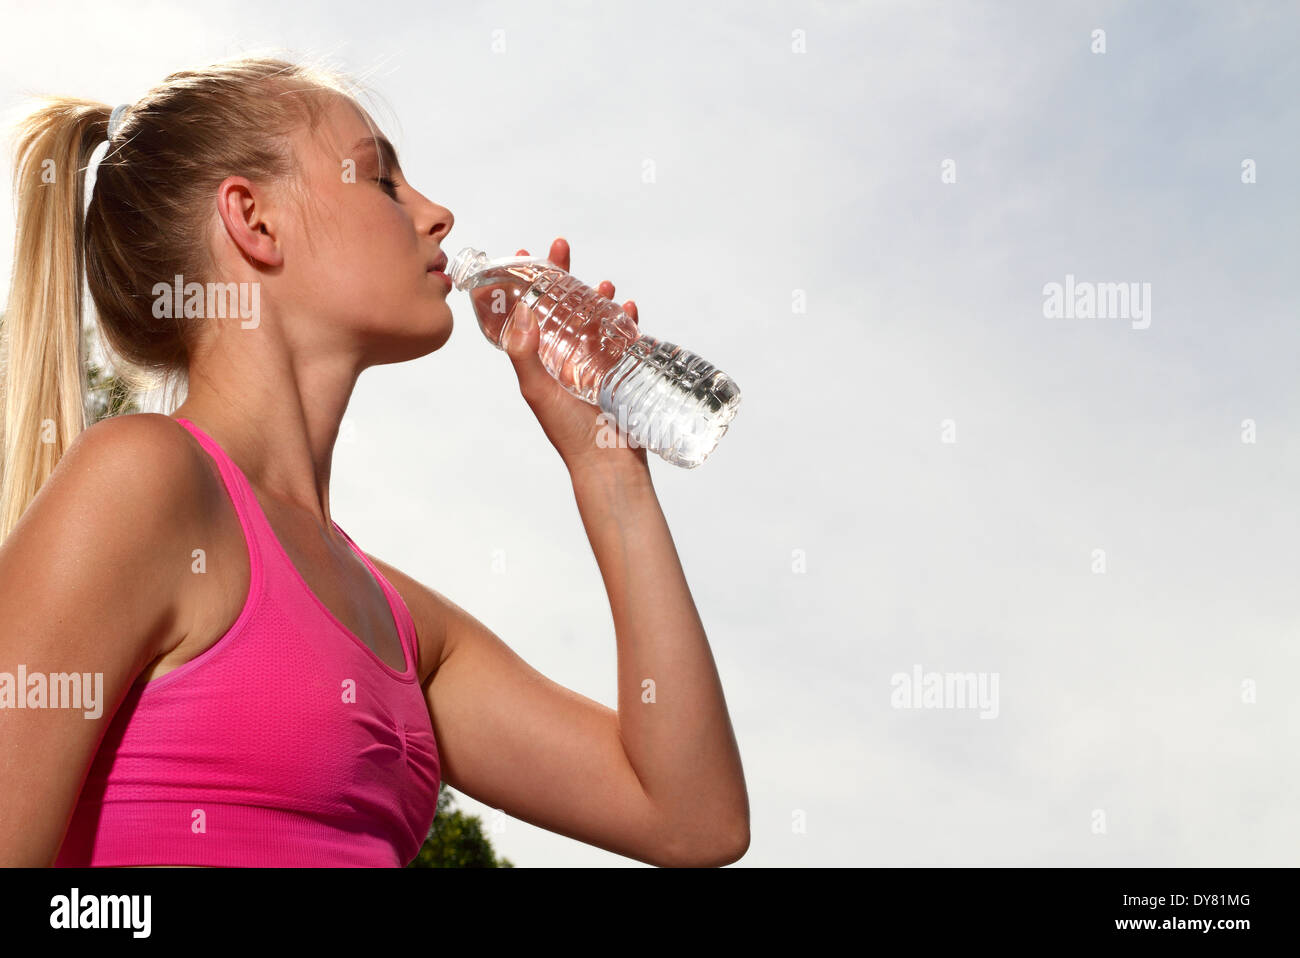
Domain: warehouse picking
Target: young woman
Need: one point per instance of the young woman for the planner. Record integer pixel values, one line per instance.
(271, 694)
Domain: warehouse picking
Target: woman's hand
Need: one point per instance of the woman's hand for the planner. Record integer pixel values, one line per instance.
(573, 426)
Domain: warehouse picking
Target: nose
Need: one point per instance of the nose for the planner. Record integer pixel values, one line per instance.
(440, 221)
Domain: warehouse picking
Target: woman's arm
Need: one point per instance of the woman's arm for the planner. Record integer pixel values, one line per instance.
(659, 780)
(671, 711)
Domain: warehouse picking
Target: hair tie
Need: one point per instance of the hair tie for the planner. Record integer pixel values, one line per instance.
(115, 120)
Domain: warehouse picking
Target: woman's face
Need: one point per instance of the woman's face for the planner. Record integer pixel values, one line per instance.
(357, 263)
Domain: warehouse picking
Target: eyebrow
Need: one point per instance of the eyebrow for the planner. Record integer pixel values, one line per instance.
(385, 148)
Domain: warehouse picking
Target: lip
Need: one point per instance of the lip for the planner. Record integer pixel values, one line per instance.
(441, 275)
(439, 265)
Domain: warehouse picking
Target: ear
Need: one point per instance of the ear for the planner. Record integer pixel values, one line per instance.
(244, 210)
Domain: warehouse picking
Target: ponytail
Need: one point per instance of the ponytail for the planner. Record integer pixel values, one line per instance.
(43, 382)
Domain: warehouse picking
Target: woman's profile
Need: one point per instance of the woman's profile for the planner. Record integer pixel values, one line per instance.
(271, 694)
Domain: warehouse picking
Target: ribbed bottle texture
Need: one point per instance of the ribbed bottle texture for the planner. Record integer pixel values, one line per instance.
(660, 396)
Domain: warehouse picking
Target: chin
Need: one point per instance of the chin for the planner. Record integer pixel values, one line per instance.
(433, 337)
(413, 341)
(440, 337)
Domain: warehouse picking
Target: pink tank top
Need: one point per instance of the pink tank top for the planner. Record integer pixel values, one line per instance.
(287, 743)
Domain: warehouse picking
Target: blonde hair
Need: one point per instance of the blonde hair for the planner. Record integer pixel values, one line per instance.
(147, 220)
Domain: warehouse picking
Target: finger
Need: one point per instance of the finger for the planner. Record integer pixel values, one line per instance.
(522, 351)
(630, 308)
(606, 289)
(560, 253)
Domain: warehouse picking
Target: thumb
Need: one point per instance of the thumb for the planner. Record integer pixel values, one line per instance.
(522, 341)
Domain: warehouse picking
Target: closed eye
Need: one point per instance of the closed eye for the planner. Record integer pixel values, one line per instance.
(389, 185)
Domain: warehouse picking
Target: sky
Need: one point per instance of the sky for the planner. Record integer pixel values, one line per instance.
(857, 211)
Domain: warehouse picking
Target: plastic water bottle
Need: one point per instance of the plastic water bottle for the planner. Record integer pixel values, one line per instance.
(665, 399)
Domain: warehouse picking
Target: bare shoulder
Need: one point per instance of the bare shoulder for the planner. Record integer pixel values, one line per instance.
(130, 467)
(133, 491)
(156, 449)
(103, 547)
(148, 465)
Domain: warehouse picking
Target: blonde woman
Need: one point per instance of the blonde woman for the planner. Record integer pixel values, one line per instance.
(299, 702)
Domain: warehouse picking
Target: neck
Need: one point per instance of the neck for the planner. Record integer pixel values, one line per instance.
(278, 417)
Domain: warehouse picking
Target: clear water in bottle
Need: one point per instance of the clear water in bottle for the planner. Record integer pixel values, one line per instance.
(659, 395)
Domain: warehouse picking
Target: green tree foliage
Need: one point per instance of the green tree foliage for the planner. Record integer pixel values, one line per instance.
(456, 840)
(109, 396)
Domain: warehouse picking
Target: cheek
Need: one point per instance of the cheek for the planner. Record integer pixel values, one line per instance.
(386, 249)
(364, 263)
